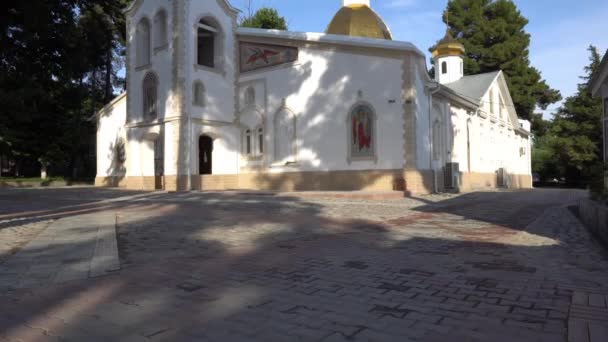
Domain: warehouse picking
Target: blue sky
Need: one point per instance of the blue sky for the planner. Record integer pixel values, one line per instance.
(561, 30)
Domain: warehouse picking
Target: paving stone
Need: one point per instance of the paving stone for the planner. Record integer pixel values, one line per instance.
(231, 267)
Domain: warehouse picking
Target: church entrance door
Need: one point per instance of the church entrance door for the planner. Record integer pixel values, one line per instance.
(205, 151)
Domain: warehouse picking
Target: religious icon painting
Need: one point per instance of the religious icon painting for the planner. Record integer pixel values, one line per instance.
(255, 56)
(362, 136)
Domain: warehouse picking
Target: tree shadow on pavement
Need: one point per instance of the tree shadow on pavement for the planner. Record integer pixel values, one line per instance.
(244, 267)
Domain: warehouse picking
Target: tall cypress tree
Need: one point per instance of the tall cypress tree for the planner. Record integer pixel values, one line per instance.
(576, 131)
(493, 33)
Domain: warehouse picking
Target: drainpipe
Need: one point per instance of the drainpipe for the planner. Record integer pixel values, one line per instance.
(433, 88)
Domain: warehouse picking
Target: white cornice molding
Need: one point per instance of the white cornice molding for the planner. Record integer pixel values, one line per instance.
(314, 37)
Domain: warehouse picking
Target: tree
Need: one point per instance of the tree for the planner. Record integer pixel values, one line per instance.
(577, 129)
(494, 36)
(265, 18)
(54, 74)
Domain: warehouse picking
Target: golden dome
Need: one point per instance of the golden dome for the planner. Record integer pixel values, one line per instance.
(358, 20)
(448, 46)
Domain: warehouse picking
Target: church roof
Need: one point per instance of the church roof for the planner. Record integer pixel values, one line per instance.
(359, 20)
(330, 39)
(448, 45)
(600, 76)
(474, 86)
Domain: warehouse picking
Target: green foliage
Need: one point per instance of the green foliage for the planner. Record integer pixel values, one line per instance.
(571, 146)
(543, 158)
(577, 128)
(494, 36)
(58, 63)
(265, 18)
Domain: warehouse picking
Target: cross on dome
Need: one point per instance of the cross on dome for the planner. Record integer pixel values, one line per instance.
(355, 2)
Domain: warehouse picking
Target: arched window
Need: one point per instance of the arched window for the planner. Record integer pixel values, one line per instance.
(198, 94)
(249, 96)
(363, 130)
(150, 96)
(436, 140)
(260, 141)
(142, 37)
(207, 33)
(247, 142)
(285, 136)
(444, 67)
(160, 29)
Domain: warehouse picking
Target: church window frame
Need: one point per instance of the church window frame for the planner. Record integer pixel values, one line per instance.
(160, 30)
(365, 115)
(150, 97)
(143, 42)
(208, 33)
(444, 67)
(198, 94)
(247, 142)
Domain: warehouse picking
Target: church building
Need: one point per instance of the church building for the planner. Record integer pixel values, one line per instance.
(213, 106)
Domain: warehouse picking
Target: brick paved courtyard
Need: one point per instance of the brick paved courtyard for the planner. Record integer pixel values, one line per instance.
(495, 266)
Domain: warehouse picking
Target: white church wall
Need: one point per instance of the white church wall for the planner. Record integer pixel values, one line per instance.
(141, 150)
(321, 89)
(423, 144)
(110, 132)
(219, 82)
(454, 69)
(225, 154)
(160, 60)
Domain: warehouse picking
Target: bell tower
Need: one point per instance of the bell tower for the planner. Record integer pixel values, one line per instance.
(448, 55)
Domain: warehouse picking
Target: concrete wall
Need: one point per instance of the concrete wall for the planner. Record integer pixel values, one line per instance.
(595, 216)
(110, 134)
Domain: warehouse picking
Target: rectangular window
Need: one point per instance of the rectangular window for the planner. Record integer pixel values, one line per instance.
(261, 142)
(206, 48)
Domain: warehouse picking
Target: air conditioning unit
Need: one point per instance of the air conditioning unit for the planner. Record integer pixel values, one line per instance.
(452, 175)
(501, 178)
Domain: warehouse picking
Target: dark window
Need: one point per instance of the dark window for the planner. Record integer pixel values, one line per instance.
(206, 44)
(248, 142)
(444, 68)
(205, 151)
(261, 140)
(150, 97)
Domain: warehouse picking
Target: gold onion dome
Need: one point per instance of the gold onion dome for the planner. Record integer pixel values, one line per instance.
(448, 46)
(358, 20)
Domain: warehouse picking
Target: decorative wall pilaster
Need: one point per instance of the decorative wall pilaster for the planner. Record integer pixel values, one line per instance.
(409, 97)
(180, 144)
